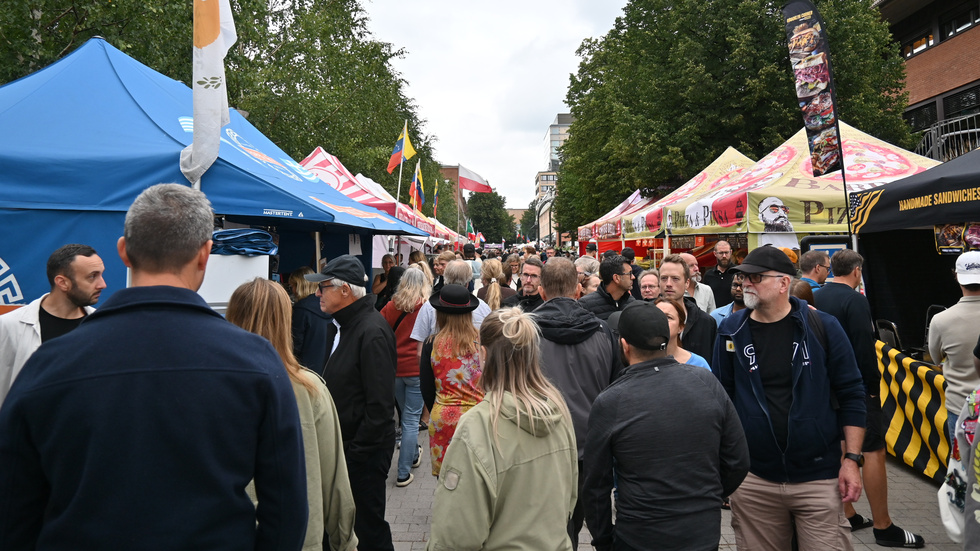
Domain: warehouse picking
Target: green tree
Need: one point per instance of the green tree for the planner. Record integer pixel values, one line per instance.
(309, 73)
(529, 218)
(489, 216)
(675, 82)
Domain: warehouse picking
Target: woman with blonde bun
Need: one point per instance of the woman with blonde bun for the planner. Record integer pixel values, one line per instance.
(509, 477)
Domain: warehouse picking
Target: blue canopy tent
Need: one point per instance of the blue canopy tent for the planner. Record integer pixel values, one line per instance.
(84, 136)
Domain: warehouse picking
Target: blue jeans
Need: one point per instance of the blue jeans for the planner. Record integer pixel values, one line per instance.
(951, 428)
(408, 394)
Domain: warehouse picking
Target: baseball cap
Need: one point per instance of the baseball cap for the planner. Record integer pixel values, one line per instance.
(346, 268)
(968, 268)
(469, 248)
(766, 258)
(645, 326)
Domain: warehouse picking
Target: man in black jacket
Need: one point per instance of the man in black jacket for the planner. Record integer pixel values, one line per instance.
(700, 328)
(614, 293)
(360, 375)
(840, 299)
(673, 437)
(720, 277)
(527, 296)
(579, 355)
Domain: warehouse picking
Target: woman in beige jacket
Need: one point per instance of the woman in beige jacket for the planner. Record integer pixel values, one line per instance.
(262, 307)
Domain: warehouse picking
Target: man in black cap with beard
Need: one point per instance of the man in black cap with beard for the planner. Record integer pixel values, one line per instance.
(673, 438)
(360, 375)
(792, 376)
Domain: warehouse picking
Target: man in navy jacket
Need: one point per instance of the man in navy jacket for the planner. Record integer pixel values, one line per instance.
(142, 428)
(794, 381)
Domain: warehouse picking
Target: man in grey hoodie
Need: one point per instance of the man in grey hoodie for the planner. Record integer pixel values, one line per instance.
(578, 355)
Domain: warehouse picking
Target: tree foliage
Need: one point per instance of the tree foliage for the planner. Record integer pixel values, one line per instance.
(307, 72)
(489, 216)
(675, 82)
(529, 219)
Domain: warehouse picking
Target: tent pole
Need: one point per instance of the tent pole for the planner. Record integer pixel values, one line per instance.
(317, 238)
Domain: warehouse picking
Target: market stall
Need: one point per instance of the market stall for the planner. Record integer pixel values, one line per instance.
(646, 225)
(777, 200)
(902, 230)
(84, 136)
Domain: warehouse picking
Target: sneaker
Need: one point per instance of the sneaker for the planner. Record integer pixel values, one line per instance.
(418, 459)
(402, 482)
(893, 536)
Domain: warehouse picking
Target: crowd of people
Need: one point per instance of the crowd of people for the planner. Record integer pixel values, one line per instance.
(556, 392)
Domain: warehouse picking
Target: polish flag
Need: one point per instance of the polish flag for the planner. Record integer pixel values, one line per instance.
(472, 181)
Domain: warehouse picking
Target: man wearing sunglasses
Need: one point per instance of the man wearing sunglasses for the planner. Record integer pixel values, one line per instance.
(784, 367)
(614, 293)
(815, 268)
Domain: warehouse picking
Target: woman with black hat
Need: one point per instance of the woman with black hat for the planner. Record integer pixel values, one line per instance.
(450, 367)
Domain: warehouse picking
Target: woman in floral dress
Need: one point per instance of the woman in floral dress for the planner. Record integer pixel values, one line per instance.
(450, 367)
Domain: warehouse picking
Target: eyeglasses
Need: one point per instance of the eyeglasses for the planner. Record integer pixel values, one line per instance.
(530, 276)
(776, 208)
(649, 287)
(325, 286)
(737, 284)
(827, 267)
(627, 274)
(757, 278)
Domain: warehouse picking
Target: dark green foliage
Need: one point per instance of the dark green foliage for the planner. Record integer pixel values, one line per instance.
(675, 82)
(307, 72)
(489, 216)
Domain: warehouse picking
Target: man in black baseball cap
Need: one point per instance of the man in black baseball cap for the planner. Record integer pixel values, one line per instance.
(360, 374)
(653, 427)
(784, 365)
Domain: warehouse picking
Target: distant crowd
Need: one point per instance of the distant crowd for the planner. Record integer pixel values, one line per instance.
(636, 398)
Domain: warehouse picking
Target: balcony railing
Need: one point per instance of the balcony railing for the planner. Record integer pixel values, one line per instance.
(950, 138)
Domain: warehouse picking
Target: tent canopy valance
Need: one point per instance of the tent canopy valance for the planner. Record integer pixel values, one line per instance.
(779, 193)
(945, 194)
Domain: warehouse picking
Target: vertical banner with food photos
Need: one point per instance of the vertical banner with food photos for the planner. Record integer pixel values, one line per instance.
(809, 55)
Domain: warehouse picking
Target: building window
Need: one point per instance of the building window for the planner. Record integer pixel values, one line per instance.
(956, 24)
(554, 130)
(917, 44)
(962, 103)
(921, 118)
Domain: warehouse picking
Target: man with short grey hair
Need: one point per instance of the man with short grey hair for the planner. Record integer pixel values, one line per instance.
(579, 355)
(165, 412)
(457, 272)
(840, 299)
(360, 374)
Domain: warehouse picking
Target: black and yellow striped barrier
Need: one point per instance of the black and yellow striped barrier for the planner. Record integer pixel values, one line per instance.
(913, 399)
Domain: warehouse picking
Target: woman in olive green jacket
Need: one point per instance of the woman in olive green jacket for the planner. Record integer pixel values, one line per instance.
(262, 307)
(509, 476)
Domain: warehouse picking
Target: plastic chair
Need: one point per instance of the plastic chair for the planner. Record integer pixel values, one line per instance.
(930, 312)
(888, 332)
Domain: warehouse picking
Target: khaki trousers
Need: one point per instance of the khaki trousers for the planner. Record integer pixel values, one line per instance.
(763, 515)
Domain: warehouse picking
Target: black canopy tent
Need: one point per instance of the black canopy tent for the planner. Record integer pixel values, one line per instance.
(904, 272)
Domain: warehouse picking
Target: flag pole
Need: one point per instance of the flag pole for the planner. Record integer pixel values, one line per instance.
(401, 163)
(458, 195)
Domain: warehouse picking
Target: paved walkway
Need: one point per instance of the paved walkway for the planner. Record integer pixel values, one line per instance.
(912, 504)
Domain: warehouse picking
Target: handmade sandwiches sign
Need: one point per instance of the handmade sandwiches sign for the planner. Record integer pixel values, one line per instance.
(809, 55)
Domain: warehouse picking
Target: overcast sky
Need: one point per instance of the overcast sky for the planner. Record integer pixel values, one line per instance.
(489, 77)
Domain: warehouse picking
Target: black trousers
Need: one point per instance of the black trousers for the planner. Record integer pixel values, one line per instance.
(578, 513)
(368, 473)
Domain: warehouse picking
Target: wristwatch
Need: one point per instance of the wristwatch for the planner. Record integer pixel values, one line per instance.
(855, 457)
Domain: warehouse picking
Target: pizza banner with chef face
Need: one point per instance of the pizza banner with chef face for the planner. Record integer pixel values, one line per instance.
(809, 54)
